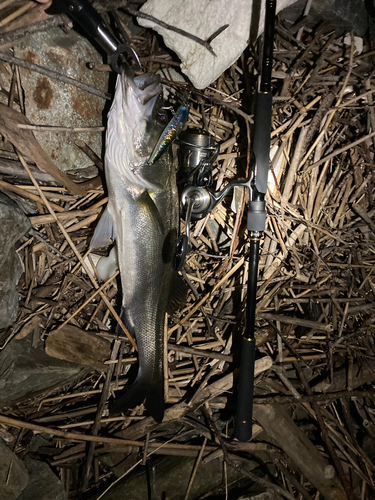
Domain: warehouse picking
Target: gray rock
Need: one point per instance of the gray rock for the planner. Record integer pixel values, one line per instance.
(26, 371)
(344, 15)
(13, 224)
(266, 495)
(13, 474)
(43, 483)
(10, 272)
(172, 476)
(50, 102)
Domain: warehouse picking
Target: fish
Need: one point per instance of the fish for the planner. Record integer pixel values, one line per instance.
(142, 215)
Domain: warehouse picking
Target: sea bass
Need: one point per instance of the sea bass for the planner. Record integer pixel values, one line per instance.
(142, 216)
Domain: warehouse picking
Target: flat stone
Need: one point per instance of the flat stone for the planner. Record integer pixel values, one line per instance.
(43, 483)
(13, 474)
(14, 224)
(50, 102)
(202, 18)
(26, 372)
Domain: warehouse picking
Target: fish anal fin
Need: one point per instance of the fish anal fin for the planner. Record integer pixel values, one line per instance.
(177, 294)
(127, 323)
(105, 231)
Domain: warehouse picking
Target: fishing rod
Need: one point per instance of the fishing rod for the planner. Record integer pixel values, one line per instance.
(256, 220)
(198, 153)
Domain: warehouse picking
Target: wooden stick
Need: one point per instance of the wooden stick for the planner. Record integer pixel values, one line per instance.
(200, 352)
(323, 428)
(30, 196)
(17, 13)
(296, 321)
(195, 469)
(75, 436)
(97, 421)
(281, 428)
(66, 215)
(50, 128)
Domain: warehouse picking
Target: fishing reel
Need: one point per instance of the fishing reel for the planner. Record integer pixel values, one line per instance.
(198, 152)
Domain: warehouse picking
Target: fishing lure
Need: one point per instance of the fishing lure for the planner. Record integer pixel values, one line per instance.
(171, 131)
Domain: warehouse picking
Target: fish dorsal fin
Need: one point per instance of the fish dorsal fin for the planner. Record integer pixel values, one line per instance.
(177, 294)
(105, 231)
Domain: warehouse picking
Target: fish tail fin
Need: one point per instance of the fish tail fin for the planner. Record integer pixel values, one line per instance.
(152, 393)
(155, 404)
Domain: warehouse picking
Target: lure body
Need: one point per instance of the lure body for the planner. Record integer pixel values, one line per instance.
(171, 131)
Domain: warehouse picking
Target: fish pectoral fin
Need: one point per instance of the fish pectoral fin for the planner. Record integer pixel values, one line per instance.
(105, 231)
(177, 294)
(148, 207)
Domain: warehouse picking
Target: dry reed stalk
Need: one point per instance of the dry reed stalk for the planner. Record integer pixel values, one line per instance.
(16, 13)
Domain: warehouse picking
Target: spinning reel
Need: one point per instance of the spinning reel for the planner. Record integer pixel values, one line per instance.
(198, 152)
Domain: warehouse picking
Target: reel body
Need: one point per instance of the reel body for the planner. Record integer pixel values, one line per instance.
(198, 152)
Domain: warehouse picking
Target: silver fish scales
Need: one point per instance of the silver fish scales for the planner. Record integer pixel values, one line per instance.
(142, 215)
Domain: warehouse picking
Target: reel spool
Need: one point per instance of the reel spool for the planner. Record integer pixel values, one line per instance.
(198, 151)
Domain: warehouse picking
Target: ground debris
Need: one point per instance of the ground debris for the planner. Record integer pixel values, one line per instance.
(314, 425)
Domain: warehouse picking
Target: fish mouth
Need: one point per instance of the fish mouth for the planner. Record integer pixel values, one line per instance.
(146, 87)
(132, 131)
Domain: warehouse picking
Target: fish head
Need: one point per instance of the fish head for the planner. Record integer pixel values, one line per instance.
(133, 124)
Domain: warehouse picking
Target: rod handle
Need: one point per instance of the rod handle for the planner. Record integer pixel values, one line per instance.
(244, 415)
(262, 140)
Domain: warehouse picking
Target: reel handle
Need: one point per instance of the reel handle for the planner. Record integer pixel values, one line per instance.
(183, 247)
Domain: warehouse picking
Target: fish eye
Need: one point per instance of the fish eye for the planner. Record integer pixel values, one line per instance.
(162, 116)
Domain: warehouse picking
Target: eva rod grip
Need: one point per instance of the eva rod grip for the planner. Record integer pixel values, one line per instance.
(262, 140)
(244, 416)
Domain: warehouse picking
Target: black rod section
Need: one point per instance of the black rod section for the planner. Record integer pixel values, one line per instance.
(256, 219)
(269, 30)
(244, 415)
